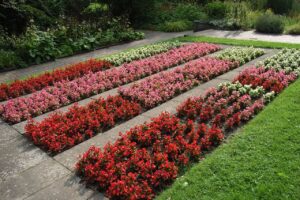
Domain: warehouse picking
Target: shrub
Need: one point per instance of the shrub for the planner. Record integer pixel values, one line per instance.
(293, 29)
(216, 10)
(189, 12)
(8, 59)
(176, 26)
(225, 24)
(280, 6)
(269, 23)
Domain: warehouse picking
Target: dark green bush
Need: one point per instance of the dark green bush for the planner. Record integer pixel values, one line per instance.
(9, 59)
(176, 26)
(293, 29)
(37, 46)
(216, 9)
(280, 6)
(269, 23)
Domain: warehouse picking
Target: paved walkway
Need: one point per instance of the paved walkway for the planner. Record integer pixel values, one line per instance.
(249, 35)
(150, 37)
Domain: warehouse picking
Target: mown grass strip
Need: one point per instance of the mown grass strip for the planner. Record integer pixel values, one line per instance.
(237, 42)
(260, 161)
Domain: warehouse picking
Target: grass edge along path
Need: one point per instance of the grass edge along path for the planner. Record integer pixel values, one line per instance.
(260, 161)
(238, 42)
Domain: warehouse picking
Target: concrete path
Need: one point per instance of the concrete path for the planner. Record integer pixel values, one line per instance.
(249, 35)
(150, 37)
(29, 173)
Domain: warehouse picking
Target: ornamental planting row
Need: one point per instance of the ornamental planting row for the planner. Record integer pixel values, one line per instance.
(163, 86)
(141, 52)
(287, 60)
(66, 92)
(61, 131)
(32, 84)
(147, 158)
(240, 54)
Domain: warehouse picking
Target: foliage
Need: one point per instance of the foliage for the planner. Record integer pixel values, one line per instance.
(176, 26)
(280, 6)
(169, 16)
(293, 29)
(225, 24)
(251, 19)
(37, 46)
(9, 59)
(269, 23)
(216, 9)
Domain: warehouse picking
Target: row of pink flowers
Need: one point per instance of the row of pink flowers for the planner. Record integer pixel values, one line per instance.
(158, 89)
(66, 92)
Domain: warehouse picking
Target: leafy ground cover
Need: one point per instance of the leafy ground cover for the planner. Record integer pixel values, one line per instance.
(228, 41)
(259, 162)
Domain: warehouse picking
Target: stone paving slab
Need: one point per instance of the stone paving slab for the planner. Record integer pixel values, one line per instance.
(66, 188)
(150, 37)
(32, 180)
(18, 156)
(7, 134)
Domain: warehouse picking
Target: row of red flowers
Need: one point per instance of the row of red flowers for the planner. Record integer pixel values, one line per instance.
(270, 79)
(71, 72)
(148, 157)
(66, 92)
(32, 84)
(63, 130)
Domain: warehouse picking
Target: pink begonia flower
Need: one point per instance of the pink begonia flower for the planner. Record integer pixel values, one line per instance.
(161, 87)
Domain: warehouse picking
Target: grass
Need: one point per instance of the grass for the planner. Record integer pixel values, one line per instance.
(260, 161)
(228, 41)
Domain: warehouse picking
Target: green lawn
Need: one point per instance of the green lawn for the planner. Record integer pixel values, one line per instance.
(261, 161)
(254, 43)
